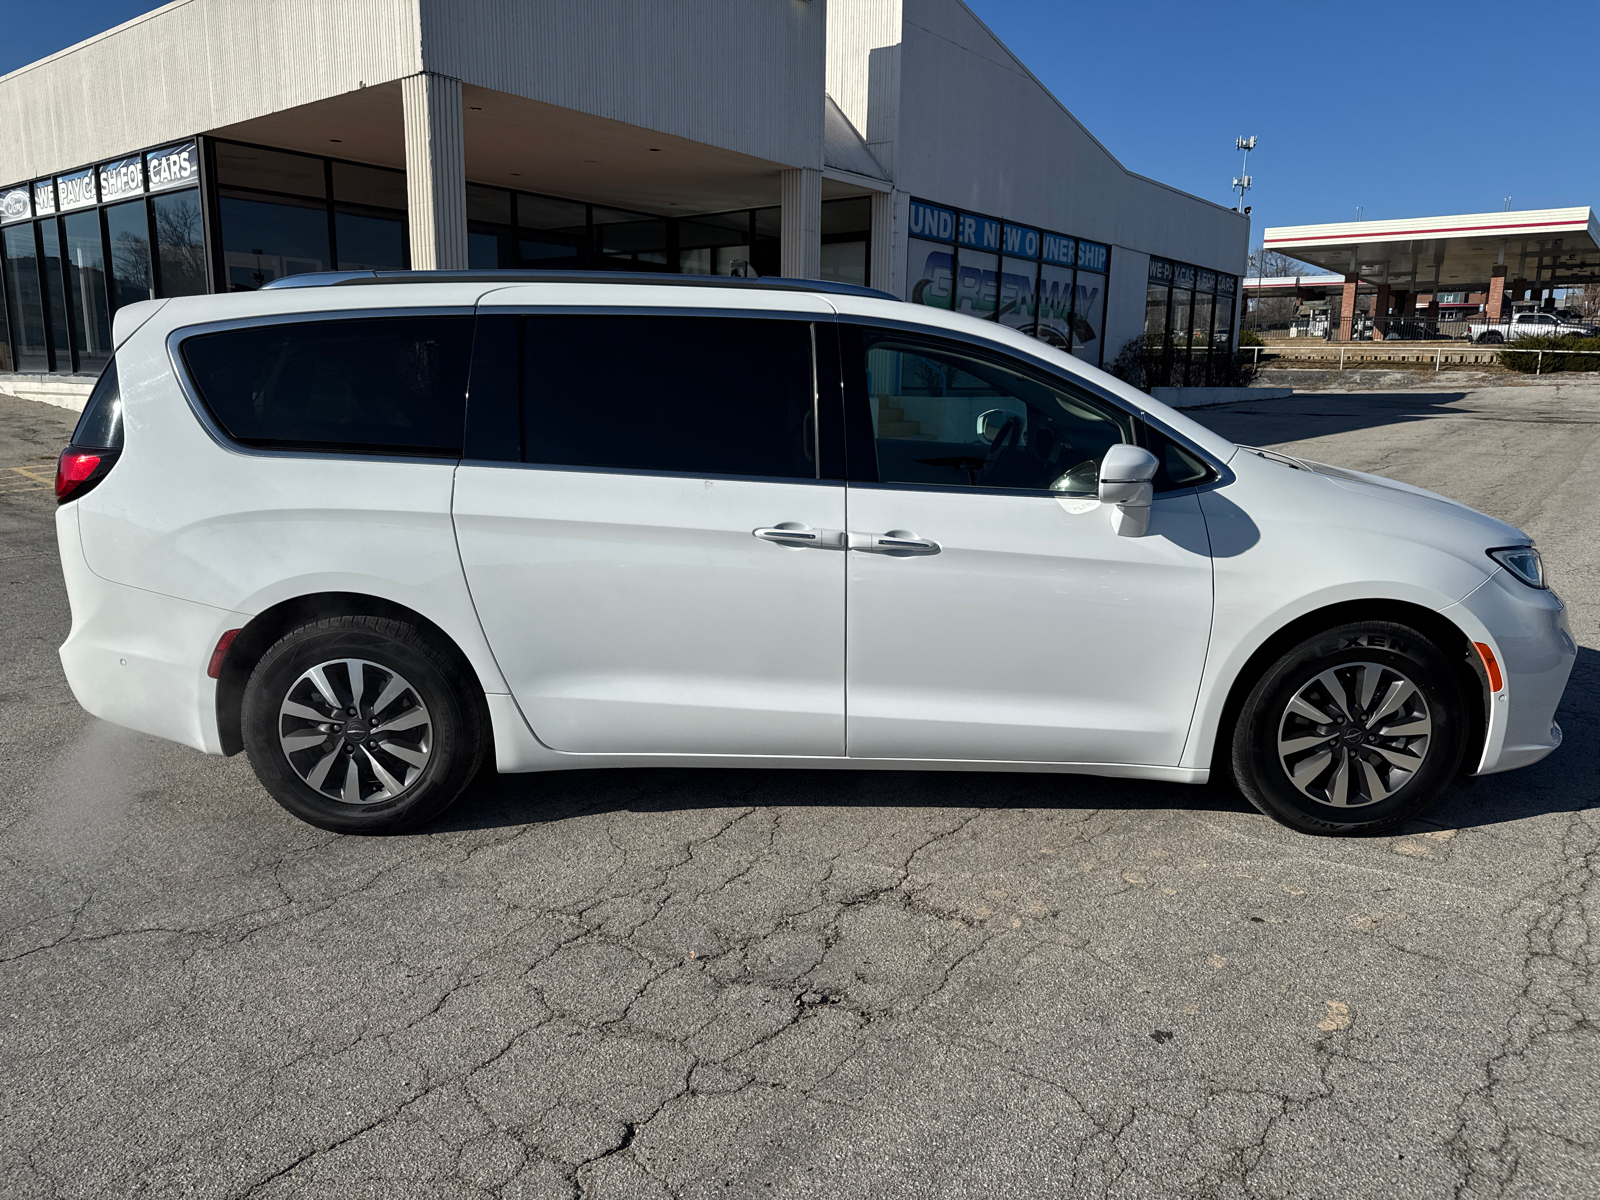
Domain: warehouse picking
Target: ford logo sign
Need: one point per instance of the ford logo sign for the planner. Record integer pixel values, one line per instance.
(14, 205)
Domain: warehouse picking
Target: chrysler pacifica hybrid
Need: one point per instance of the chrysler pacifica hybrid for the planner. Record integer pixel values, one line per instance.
(377, 529)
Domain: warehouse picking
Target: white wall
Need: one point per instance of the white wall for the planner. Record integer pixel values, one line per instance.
(193, 66)
(960, 121)
(746, 75)
(1130, 272)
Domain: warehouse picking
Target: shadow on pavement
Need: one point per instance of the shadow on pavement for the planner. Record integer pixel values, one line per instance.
(1564, 782)
(1300, 418)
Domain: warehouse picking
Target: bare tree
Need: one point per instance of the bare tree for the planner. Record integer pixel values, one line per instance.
(1269, 264)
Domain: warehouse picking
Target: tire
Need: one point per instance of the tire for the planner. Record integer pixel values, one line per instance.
(1289, 764)
(418, 739)
(1492, 337)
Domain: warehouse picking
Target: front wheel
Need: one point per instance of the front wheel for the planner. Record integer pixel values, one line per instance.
(1492, 337)
(1353, 731)
(361, 725)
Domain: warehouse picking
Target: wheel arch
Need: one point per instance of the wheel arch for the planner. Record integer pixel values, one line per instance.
(1449, 637)
(266, 627)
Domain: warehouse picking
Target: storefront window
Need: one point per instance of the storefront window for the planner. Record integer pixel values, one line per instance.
(262, 240)
(1018, 297)
(55, 283)
(86, 274)
(1055, 305)
(128, 235)
(627, 241)
(711, 245)
(846, 235)
(269, 170)
(24, 304)
(1182, 319)
(1088, 316)
(370, 243)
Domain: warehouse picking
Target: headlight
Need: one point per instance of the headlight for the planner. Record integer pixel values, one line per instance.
(1523, 562)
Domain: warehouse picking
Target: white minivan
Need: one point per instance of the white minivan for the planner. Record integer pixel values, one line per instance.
(376, 528)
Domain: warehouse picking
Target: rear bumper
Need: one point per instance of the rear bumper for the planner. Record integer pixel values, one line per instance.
(138, 658)
(1529, 633)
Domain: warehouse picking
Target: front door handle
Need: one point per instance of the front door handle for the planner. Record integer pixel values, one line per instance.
(896, 541)
(792, 533)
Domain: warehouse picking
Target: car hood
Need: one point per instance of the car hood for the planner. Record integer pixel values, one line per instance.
(1495, 531)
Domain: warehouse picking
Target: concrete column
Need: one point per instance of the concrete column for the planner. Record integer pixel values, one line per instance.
(1347, 307)
(1497, 294)
(880, 271)
(436, 172)
(800, 241)
(1380, 313)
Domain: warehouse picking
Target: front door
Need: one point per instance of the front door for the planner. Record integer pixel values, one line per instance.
(994, 612)
(661, 570)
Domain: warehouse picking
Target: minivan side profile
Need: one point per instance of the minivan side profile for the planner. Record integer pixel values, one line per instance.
(374, 529)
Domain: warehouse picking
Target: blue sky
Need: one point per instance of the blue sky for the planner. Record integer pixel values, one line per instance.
(1414, 109)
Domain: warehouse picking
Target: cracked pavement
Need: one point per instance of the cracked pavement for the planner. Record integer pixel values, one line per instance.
(737, 983)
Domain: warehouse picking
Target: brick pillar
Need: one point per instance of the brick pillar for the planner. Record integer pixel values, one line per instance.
(1380, 313)
(1347, 307)
(1497, 295)
(1406, 306)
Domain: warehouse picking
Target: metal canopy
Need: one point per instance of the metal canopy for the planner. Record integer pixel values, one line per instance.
(1552, 246)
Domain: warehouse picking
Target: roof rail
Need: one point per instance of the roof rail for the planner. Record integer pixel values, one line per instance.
(772, 283)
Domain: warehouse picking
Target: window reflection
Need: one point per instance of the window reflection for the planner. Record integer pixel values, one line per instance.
(265, 240)
(86, 276)
(180, 243)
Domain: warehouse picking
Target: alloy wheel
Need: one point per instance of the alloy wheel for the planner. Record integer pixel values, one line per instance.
(1354, 735)
(355, 731)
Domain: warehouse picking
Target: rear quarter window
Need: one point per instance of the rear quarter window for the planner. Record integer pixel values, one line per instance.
(386, 385)
(100, 426)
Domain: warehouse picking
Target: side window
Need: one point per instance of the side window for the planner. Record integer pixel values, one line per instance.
(387, 385)
(1180, 467)
(944, 414)
(100, 426)
(693, 395)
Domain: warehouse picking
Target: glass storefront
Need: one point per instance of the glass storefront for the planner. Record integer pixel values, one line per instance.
(1047, 285)
(76, 248)
(1188, 325)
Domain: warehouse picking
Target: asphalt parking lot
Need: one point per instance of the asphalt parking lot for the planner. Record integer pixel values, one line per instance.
(794, 984)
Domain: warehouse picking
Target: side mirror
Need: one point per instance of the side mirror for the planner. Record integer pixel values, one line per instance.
(1125, 475)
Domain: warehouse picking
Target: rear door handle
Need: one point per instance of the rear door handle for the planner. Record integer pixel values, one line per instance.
(896, 541)
(792, 533)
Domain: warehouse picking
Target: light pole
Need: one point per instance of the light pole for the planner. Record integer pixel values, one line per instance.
(1241, 183)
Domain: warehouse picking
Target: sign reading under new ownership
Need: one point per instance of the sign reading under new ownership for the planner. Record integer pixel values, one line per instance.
(1093, 256)
(1022, 243)
(14, 205)
(931, 221)
(172, 167)
(981, 233)
(125, 177)
(1062, 251)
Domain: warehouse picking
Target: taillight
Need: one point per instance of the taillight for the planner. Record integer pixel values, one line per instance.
(79, 469)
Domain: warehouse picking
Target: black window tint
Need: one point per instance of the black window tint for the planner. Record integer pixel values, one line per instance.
(701, 395)
(380, 386)
(944, 414)
(100, 426)
(1180, 466)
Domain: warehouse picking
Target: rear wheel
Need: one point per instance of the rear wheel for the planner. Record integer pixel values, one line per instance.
(1493, 337)
(1353, 731)
(360, 725)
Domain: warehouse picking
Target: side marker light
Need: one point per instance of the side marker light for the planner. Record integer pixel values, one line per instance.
(1489, 665)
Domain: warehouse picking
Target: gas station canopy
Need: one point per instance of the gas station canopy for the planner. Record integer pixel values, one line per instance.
(1552, 247)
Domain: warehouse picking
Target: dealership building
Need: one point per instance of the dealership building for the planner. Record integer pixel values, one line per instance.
(215, 145)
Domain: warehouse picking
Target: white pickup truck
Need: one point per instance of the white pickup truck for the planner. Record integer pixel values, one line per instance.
(1526, 324)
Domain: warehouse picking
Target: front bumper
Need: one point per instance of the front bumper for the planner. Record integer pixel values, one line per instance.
(1528, 631)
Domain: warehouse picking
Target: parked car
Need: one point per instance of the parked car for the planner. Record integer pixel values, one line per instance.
(1527, 324)
(377, 529)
